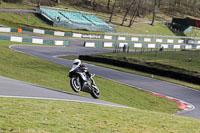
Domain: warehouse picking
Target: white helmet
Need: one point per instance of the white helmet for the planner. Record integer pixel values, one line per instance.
(76, 62)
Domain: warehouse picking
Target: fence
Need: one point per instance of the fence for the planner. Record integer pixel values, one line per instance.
(141, 45)
(138, 38)
(33, 40)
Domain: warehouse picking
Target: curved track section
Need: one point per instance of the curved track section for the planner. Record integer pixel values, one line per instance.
(168, 89)
(19, 89)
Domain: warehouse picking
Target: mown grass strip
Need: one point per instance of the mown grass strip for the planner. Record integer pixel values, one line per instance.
(38, 116)
(41, 72)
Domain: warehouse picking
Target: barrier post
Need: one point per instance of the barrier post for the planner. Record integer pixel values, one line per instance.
(19, 30)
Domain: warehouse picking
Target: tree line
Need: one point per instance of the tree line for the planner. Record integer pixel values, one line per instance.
(137, 8)
(131, 9)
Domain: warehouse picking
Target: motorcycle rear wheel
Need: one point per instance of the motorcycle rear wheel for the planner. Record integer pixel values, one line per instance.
(75, 84)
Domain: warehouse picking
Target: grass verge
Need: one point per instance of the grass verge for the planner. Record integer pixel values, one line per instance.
(194, 86)
(169, 59)
(41, 72)
(39, 116)
(32, 20)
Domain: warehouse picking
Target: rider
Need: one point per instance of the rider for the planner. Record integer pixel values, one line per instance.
(77, 64)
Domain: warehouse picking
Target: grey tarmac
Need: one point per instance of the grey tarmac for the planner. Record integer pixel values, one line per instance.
(180, 92)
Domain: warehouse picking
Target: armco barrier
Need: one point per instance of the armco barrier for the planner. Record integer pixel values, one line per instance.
(61, 33)
(114, 37)
(136, 38)
(140, 45)
(144, 68)
(33, 40)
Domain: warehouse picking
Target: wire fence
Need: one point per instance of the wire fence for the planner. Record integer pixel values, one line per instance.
(162, 55)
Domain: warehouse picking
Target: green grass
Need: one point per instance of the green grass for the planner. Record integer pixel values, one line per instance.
(157, 29)
(18, 20)
(33, 21)
(178, 59)
(42, 116)
(20, 66)
(194, 86)
(17, 6)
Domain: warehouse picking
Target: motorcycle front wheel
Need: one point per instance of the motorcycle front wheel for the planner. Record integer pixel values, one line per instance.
(95, 92)
(75, 84)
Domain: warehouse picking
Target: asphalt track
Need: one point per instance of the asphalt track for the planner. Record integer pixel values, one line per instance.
(50, 53)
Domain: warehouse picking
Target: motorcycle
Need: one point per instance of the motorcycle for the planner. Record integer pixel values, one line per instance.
(80, 81)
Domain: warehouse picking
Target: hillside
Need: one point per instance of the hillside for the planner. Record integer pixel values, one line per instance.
(32, 20)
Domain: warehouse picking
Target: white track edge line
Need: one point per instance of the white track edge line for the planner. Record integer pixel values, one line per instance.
(66, 100)
(134, 86)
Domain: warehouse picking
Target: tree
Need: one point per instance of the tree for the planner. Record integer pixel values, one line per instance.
(58, 1)
(113, 8)
(108, 5)
(154, 12)
(135, 12)
(127, 11)
(159, 3)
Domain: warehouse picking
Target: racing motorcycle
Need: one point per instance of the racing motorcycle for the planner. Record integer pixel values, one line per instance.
(80, 81)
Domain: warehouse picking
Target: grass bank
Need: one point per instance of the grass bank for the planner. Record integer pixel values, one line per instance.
(32, 20)
(194, 86)
(169, 60)
(39, 116)
(18, 20)
(41, 72)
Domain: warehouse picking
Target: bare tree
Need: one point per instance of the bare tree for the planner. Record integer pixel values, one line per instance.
(159, 3)
(135, 12)
(58, 1)
(127, 11)
(113, 8)
(154, 12)
(108, 5)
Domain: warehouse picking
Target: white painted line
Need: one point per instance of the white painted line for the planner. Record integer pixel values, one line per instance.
(107, 44)
(77, 35)
(3, 29)
(177, 46)
(16, 39)
(188, 46)
(122, 38)
(191, 41)
(122, 44)
(134, 39)
(159, 40)
(38, 41)
(38, 31)
(164, 45)
(90, 44)
(198, 47)
(137, 45)
(58, 42)
(151, 45)
(170, 41)
(59, 33)
(108, 37)
(147, 39)
(67, 100)
(180, 41)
